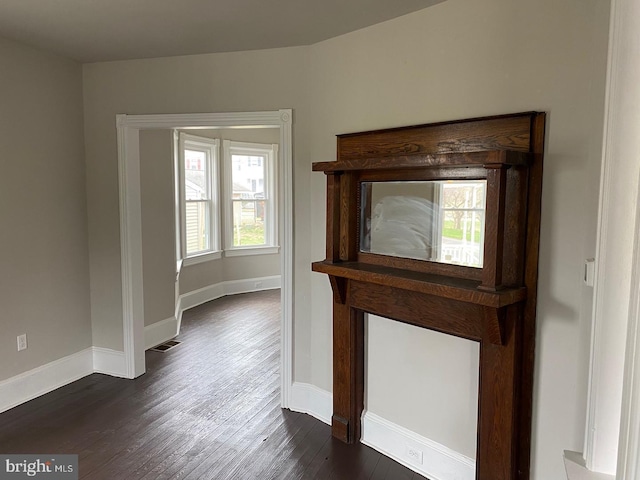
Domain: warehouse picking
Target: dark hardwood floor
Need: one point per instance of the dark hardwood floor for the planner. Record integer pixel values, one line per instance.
(206, 409)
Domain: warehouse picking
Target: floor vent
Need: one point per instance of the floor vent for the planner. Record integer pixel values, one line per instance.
(163, 347)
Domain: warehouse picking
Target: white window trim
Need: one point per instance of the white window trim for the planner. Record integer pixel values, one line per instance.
(271, 152)
(211, 147)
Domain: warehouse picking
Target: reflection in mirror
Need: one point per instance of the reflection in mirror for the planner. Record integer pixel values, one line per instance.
(440, 221)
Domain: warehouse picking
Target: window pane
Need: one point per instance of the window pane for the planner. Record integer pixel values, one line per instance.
(197, 227)
(195, 175)
(248, 176)
(463, 223)
(248, 223)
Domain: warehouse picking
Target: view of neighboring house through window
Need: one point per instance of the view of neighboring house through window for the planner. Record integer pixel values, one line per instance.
(250, 197)
(199, 196)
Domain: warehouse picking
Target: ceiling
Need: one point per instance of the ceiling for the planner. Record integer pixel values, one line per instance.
(103, 30)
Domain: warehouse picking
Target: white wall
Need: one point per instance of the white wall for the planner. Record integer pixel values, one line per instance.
(44, 267)
(457, 59)
(158, 225)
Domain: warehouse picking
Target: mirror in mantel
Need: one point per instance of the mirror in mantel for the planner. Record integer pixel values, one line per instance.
(439, 221)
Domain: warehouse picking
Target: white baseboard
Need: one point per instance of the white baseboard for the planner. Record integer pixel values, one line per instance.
(307, 398)
(575, 468)
(198, 297)
(438, 462)
(233, 287)
(160, 332)
(109, 362)
(212, 292)
(44, 379)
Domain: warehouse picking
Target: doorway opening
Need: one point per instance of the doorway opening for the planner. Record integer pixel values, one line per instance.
(128, 133)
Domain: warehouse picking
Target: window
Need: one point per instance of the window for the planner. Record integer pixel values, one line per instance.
(250, 198)
(462, 222)
(198, 191)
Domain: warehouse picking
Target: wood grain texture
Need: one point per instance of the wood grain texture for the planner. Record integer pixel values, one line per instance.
(207, 409)
(495, 235)
(427, 311)
(422, 160)
(428, 160)
(422, 174)
(534, 201)
(497, 403)
(463, 290)
(348, 372)
(333, 217)
(349, 216)
(505, 132)
(425, 266)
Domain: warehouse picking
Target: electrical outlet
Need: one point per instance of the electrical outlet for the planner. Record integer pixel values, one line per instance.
(414, 454)
(22, 342)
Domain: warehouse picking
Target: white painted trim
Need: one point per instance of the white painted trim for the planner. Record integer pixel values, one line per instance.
(268, 119)
(285, 230)
(314, 401)
(211, 148)
(198, 297)
(131, 247)
(201, 258)
(109, 362)
(128, 127)
(44, 379)
(628, 466)
(160, 332)
(212, 292)
(606, 423)
(247, 251)
(439, 462)
(233, 287)
(575, 468)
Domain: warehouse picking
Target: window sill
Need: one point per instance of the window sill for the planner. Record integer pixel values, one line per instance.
(241, 252)
(201, 258)
(576, 470)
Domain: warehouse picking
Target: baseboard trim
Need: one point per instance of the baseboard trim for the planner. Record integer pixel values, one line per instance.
(439, 462)
(44, 379)
(160, 332)
(307, 398)
(232, 287)
(109, 362)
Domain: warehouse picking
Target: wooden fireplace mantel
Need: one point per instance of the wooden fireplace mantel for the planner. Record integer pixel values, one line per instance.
(494, 305)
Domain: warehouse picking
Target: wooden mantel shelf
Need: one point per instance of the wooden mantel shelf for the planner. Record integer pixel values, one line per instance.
(446, 287)
(486, 158)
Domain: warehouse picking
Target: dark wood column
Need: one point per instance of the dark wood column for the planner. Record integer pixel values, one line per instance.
(498, 402)
(348, 372)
